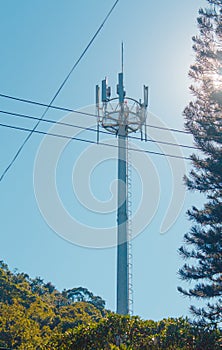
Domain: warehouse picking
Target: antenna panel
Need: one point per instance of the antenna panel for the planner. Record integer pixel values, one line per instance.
(104, 90)
(145, 89)
(120, 88)
(97, 95)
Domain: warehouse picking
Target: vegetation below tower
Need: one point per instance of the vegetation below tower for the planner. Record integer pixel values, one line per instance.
(34, 315)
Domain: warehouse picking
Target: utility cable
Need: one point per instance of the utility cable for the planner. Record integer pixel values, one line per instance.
(89, 141)
(93, 130)
(58, 91)
(65, 109)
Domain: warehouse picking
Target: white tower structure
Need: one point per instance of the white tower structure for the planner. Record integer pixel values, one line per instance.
(121, 116)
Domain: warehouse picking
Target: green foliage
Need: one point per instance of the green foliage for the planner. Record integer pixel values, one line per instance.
(32, 311)
(132, 333)
(83, 294)
(203, 244)
(17, 329)
(76, 314)
(36, 316)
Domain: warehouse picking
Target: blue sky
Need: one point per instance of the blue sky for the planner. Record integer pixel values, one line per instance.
(40, 41)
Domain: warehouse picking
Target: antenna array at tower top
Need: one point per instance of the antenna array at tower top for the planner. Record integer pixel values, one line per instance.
(121, 110)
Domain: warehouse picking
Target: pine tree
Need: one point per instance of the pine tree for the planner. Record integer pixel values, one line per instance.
(203, 118)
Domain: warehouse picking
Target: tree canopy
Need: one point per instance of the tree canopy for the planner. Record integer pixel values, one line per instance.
(31, 311)
(34, 315)
(203, 244)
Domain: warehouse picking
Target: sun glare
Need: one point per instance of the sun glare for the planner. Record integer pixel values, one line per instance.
(216, 79)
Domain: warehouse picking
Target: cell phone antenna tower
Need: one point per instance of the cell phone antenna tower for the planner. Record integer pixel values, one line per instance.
(121, 116)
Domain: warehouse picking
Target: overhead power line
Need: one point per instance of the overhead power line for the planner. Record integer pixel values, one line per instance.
(19, 115)
(90, 141)
(58, 91)
(65, 109)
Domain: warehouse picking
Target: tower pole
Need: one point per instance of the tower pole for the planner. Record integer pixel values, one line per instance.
(122, 248)
(122, 217)
(122, 120)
